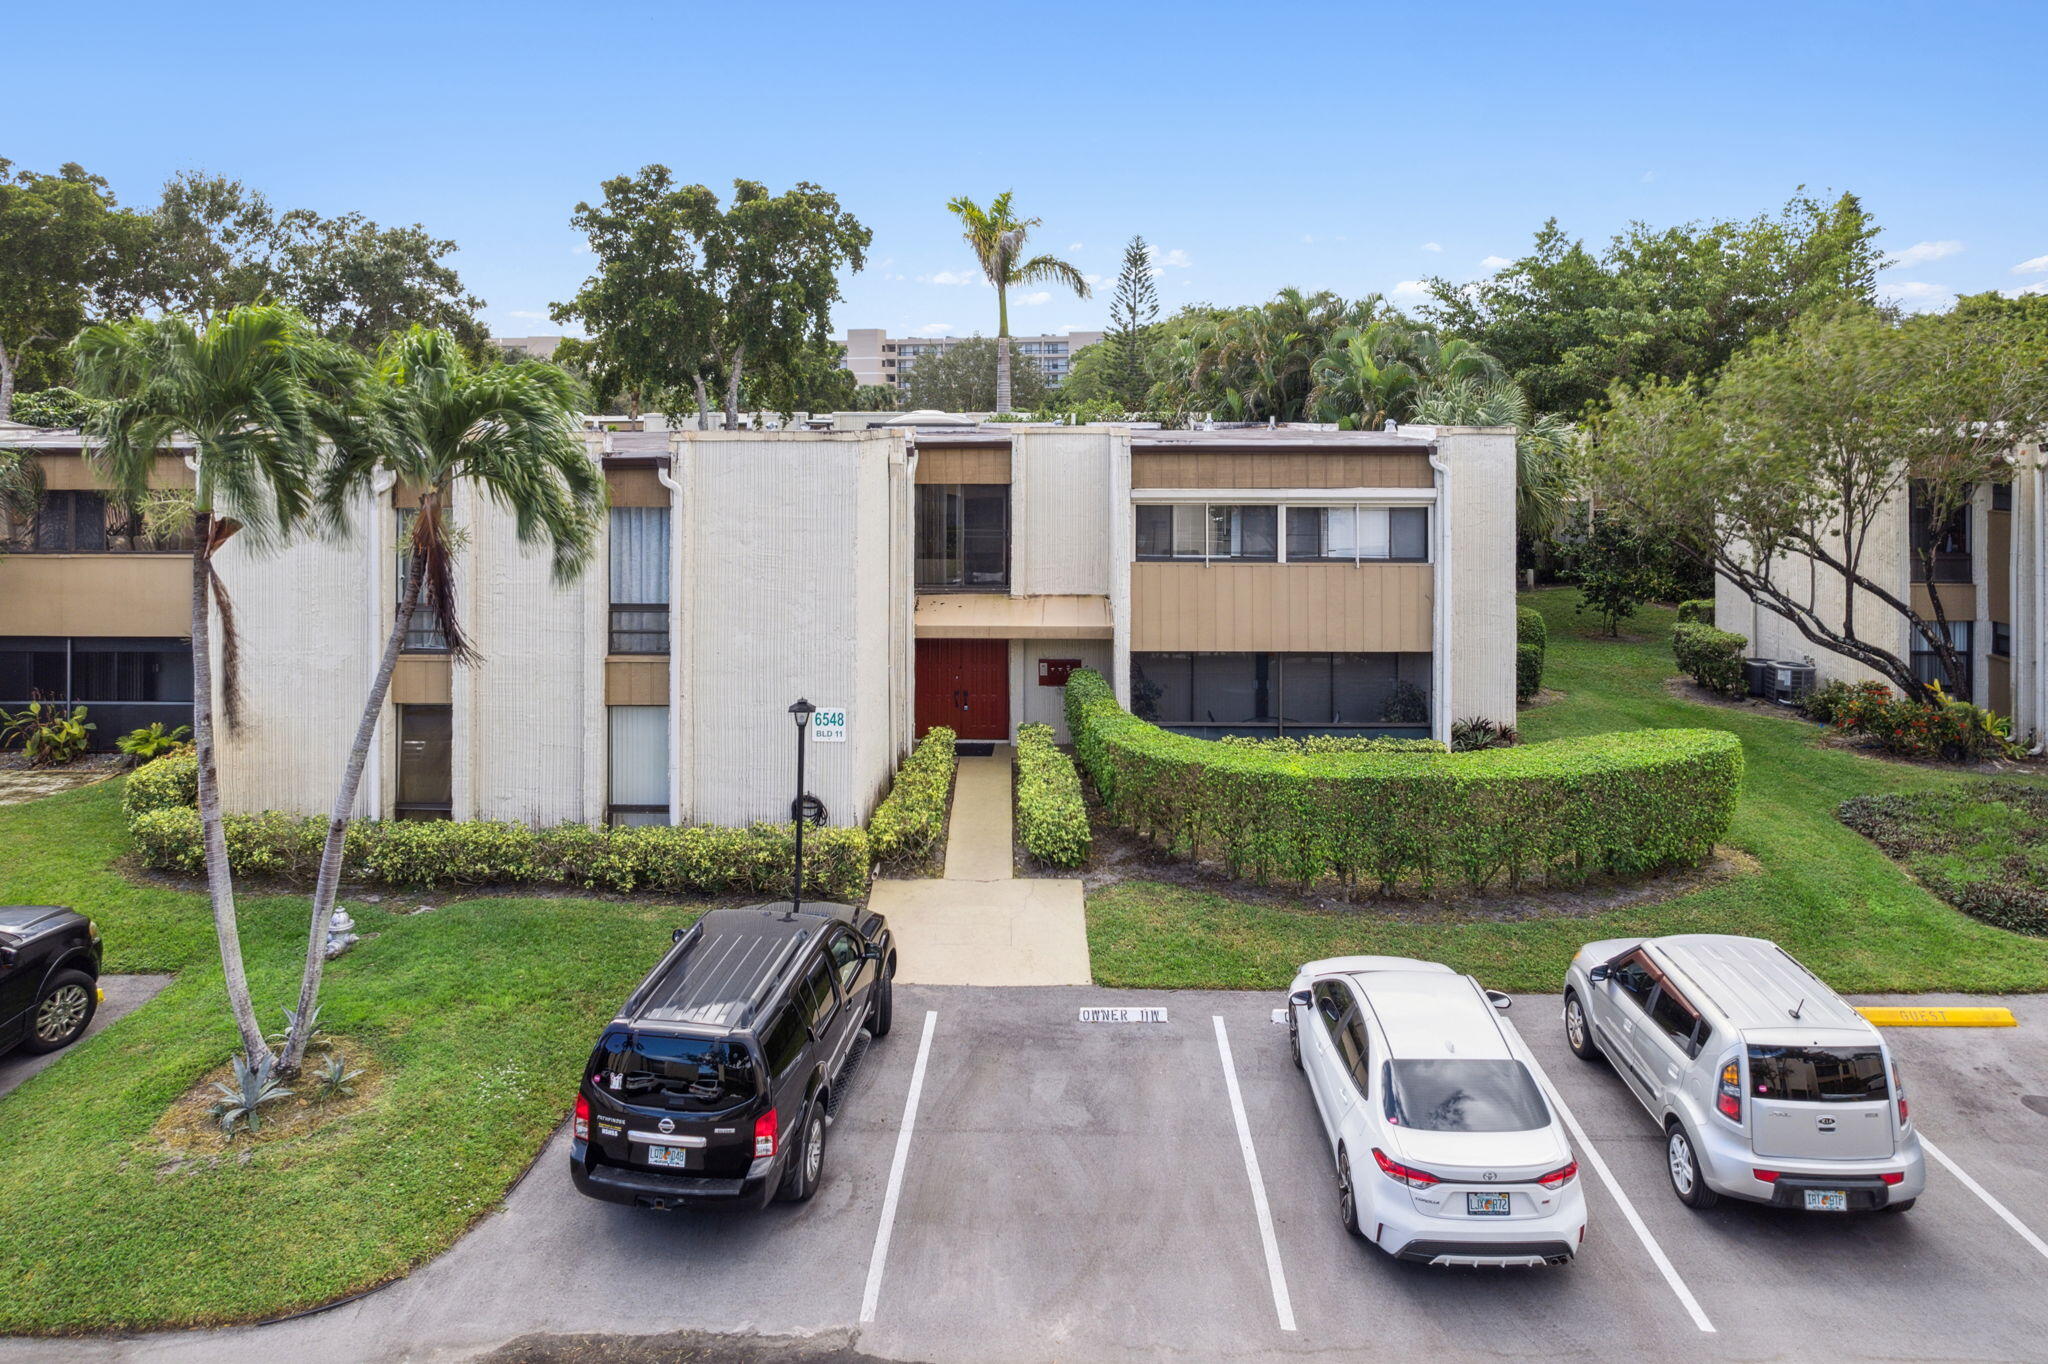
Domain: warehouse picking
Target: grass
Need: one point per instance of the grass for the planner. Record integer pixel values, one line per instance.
(479, 1014)
(1824, 892)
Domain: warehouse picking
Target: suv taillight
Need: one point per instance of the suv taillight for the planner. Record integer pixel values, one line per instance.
(1728, 1098)
(1402, 1174)
(1557, 1179)
(1899, 1088)
(582, 1118)
(764, 1134)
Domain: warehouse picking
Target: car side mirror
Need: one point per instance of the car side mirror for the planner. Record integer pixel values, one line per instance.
(1300, 997)
(7, 956)
(1499, 1001)
(872, 951)
(1600, 973)
(676, 936)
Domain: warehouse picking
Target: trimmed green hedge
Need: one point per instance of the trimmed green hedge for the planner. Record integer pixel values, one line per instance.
(1532, 641)
(1052, 817)
(1698, 611)
(1710, 657)
(695, 860)
(909, 821)
(170, 783)
(1626, 804)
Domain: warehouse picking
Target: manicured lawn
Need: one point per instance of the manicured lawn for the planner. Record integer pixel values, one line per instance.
(479, 1011)
(1824, 892)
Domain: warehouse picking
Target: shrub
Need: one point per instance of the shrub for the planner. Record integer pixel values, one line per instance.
(1977, 847)
(1476, 732)
(1829, 699)
(1625, 804)
(1710, 657)
(1532, 641)
(165, 784)
(697, 860)
(52, 407)
(1052, 817)
(1952, 730)
(154, 741)
(50, 735)
(910, 820)
(1334, 743)
(1698, 611)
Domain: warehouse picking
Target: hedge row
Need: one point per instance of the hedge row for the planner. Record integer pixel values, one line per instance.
(910, 820)
(1710, 657)
(1532, 641)
(165, 784)
(1052, 817)
(695, 860)
(1697, 611)
(1626, 804)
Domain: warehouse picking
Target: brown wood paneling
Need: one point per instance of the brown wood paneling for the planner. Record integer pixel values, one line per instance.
(1279, 469)
(635, 488)
(636, 681)
(422, 680)
(73, 472)
(1958, 601)
(962, 464)
(96, 595)
(1288, 608)
(1998, 565)
(1998, 684)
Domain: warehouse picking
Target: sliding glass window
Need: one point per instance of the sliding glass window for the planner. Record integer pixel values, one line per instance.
(423, 634)
(639, 765)
(1250, 533)
(1209, 694)
(1196, 530)
(963, 537)
(1348, 534)
(639, 570)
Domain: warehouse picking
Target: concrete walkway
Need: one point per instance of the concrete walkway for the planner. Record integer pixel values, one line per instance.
(982, 924)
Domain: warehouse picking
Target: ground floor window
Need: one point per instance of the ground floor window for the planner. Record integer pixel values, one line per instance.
(425, 745)
(639, 765)
(123, 683)
(1269, 693)
(1927, 663)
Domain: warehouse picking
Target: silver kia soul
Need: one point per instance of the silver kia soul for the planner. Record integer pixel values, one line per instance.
(1768, 1085)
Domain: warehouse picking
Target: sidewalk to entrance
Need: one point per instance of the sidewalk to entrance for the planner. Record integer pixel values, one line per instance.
(982, 924)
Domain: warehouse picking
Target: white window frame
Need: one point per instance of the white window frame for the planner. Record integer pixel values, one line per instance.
(1383, 500)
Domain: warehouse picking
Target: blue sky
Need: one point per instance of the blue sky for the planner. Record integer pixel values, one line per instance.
(1357, 147)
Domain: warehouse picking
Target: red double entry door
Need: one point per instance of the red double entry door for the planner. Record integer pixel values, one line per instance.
(964, 684)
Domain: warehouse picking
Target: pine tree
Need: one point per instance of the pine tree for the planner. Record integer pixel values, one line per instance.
(1132, 311)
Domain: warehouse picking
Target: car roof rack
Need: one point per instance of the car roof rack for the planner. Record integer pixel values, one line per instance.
(718, 981)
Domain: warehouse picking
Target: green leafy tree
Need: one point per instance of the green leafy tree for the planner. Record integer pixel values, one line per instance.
(814, 379)
(1614, 567)
(1545, 443)
(874, 398)
(999, 240)
(1809, 445)
(434, 420)
(58, 240)
(256, 392)
(209, 244)
(1259, 363)
(51, 408)
(1133, 310)
(1567, 322)
(967, 377)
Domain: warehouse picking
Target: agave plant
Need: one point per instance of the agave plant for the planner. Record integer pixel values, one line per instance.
(240, 1104)
(335, 1079)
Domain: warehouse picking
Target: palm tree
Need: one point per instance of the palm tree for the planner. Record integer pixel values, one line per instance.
(997, 236)
(434, 420)
(1360, 381)
(252, 392)
(1544, 445)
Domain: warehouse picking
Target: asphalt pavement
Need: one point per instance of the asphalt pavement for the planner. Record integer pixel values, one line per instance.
(1073, 1190)
(125, 994)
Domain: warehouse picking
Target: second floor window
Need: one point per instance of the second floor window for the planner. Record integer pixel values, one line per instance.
(963, 536)
(423, 634)
(1214, 530)
(1940, 545)
(639, 573)
(1348, 534)
(83, 522)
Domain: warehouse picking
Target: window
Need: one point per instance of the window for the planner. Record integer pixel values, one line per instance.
(1464, 1096)
(127, 683)
(425, 741)
(1332, 1002)
(639, 572)
(2001, 639)
(1817, 1074)
(1191, 530)
(1355, 1052)
(689, 1074)
(1348, 534)
(1283, 693)
(1927, 663)
(844, 949)
(1633, 979)
(639, 764)
(423, 634)
(1945, 542)
(2001, 496)
(814, 996)
(1676, 1020)
(78, 522)
(963, 536)
(782, 1046)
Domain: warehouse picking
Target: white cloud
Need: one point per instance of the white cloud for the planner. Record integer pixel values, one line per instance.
(1073, 246)
(1094, 280)
(1919, 253)
(1176, 259)
(2039, 286)
(1409, 289)
(1649, 177)
(1495, 263)
(1432, 246)
(934, 329)
(1916, 296)
(1066, 329)
(1308, 239)
(1032, 300)
(2036, 266)
(953, 277)
(580, 249)
(532, 314)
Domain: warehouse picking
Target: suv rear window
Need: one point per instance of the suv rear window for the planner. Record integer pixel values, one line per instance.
(689, 1074)
(1464, 1096)
(1818, 1074)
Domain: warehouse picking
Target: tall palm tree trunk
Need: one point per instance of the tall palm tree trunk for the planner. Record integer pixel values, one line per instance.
(327, 886)
(1002, 349)
(220, 888)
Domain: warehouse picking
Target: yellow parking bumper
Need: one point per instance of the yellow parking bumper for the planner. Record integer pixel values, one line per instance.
(1939, 1016)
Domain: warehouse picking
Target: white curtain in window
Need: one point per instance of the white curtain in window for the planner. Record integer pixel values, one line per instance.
(1190, 530)
(1340, 532)
(1373, 541)
(639, 744)
(639, 556)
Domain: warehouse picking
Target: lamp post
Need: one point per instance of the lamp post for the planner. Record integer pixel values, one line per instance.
(802, 711)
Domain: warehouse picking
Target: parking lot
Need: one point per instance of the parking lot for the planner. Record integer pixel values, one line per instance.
(1068, 1190)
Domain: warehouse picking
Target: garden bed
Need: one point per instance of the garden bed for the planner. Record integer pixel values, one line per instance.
(1983, 847)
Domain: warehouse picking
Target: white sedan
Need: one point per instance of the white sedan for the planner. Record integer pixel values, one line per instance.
(1446, 1150)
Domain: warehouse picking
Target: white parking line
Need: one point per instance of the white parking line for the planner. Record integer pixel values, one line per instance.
(876, 1261)
(1974, 1187)
(1628, 1209)
(1283, 1306)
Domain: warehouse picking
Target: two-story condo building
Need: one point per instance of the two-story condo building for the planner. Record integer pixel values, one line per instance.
(1251, 580)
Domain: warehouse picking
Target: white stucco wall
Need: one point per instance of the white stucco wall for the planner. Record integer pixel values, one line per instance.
(1060, 498)
(1478, 507)
(1040, 705)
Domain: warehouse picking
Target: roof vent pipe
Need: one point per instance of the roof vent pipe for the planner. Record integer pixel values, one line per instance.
(1390, 424)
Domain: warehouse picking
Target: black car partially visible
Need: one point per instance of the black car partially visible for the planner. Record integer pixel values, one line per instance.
(49, 976)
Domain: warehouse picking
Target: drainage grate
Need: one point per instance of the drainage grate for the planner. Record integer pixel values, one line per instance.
(843, 1086)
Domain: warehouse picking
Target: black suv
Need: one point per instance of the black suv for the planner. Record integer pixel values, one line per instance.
(49, 976)
(714, 1085)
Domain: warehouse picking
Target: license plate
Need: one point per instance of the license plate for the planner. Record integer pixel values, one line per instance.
(1486, 1205)
(1827, 1200)
(668, 1155)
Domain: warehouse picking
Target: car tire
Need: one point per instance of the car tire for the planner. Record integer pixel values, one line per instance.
(1578, 1029)
(1683, 1165)
(883, 1016)
(1294, 1039)
(1347, 1196)
(1899, 1206)
(807, 1162)
(62, 1012)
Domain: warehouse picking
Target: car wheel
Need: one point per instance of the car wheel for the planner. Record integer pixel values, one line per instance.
(1347, 1197)
(62, 1013)
(1686, 1180)
(1578, 1032)
(1294, 1039)
(807, 1164)
(883, 1016)
(1899, 1206)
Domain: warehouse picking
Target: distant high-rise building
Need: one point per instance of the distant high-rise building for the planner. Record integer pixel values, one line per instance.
(875, 357)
